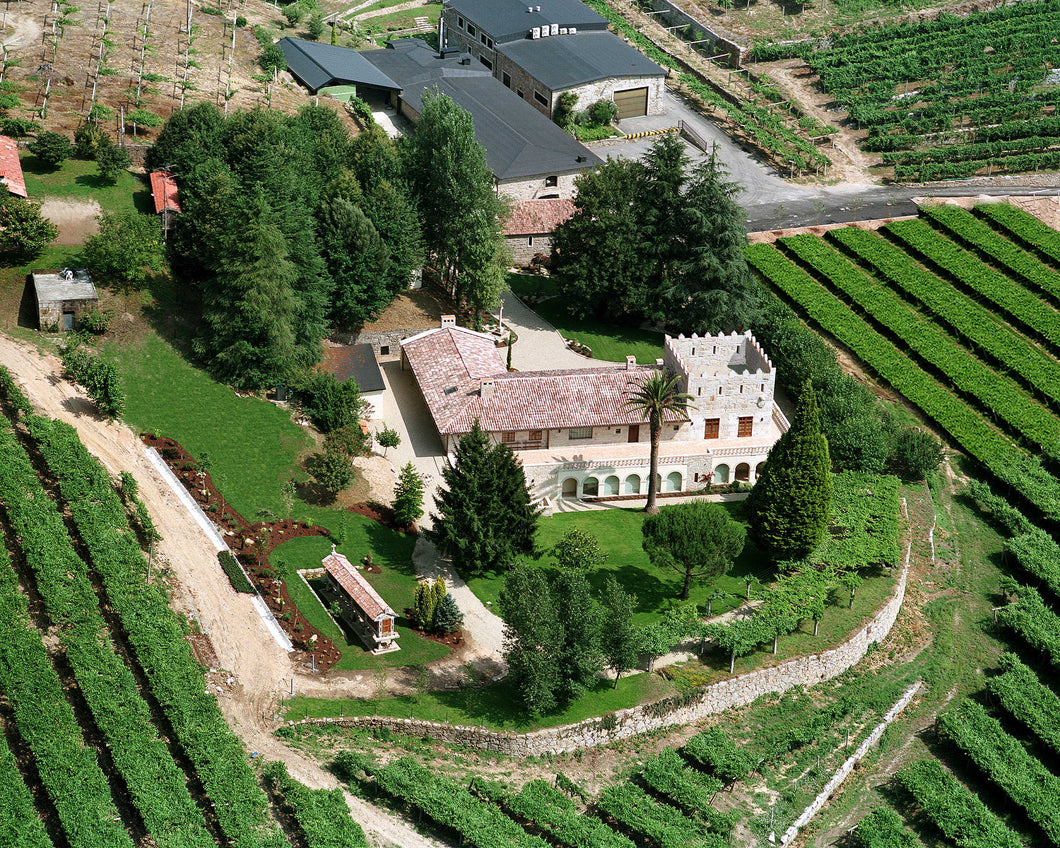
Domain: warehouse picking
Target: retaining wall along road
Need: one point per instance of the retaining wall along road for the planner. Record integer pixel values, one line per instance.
(718, 697)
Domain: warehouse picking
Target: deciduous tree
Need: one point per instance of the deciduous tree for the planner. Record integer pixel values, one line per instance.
(112, 161)
(127, 249)
(620, 639)
(699, 540)
(581, 657)
(51, 148)
(533, 638)
(24, 233)
(578, 549)
(790, 504)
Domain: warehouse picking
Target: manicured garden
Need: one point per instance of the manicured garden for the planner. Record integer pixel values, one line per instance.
(253, 449)
(607, 341)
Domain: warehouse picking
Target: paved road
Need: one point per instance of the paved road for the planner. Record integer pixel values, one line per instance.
(772, 203)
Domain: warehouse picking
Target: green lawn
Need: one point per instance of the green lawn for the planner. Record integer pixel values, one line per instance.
(79, 179)
(620, 538)
(395, 584)
(494, 706)
(608, 341)
(253, 446)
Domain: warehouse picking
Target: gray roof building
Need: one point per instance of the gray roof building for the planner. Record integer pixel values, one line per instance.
(62, 296)
(508, 20)
(572, 60)
(321, 65)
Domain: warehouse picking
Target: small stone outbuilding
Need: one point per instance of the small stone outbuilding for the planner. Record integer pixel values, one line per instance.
(62, 296)
(528, 230)
(359, 605)
(357, 362)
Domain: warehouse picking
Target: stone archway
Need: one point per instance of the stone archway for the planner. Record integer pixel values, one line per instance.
(758, 469)
(673, 482)
(570, 488)
(611, 485)
(721, 474)
(590, 487)
(632, 485)
(743, 472)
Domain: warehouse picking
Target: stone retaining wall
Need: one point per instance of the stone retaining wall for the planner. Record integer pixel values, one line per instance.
(734, 692)
(720, 40)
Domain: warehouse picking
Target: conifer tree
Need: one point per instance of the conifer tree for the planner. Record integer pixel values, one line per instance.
(791, 503)
(518, 515)
(533, 638)
(447, 615)
(408, 496)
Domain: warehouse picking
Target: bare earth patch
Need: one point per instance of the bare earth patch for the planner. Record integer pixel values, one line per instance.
(76, 219)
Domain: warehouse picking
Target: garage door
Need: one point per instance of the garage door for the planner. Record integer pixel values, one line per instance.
(632, 103)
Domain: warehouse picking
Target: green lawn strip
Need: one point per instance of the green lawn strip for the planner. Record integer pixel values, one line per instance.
(79, 179)
(156, 785)
(406, 18)
(396, 584)
(157, 638)
(534, 285)
(252, 444)
(618, 531)
(67, 767)
(496, 706)
(607, 341)
(320, 814)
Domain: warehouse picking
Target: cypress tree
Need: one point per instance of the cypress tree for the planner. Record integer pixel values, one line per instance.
(790, 504)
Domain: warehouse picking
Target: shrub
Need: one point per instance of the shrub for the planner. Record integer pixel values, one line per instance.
(330, 405)
(447, 615)
(112, 160)
(272, 59)
(602, 112)
(293, 13)
(94, 321)
(916, 454)
(88, 138)
(240, 21)
(235, 574)
(100, 380)
(331, 469)
(51, 148)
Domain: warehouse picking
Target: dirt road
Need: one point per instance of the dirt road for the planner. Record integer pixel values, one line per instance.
(252, 661)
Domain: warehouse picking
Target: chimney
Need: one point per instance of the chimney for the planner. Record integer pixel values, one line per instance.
(448, 320)
(631, 363)
(658, 362)
(485, 389)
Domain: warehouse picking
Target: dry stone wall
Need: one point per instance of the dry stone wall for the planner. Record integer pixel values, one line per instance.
(735, 692)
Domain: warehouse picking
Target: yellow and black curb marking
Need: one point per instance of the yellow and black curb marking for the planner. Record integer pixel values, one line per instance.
(632, 136)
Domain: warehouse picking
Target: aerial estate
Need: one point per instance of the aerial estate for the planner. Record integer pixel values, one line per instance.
(575, 424)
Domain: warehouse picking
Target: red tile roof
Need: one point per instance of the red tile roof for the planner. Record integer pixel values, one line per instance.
(537, 217)
(354, 584)
(11, 168)
(164, 191)
(455, 359)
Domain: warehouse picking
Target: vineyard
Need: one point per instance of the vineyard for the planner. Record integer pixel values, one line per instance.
(956, 311)
(961, 332)
(951, 97)
(109, 737)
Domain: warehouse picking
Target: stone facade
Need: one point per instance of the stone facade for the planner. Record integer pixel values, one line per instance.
(385, 344)
(539, 187)
(735, 692)
(525, 248)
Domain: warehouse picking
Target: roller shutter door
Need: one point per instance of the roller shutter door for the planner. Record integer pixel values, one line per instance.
(632, 102)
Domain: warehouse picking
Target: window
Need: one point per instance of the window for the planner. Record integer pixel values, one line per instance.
(384, 350)
(520, 94)
(575, 433)
(529, 241)
(745, 425)
(540, 98)
(551, 182)
(486, 62)
(485, 39)
(471, 30)
(711, 428)
(508, 437)
(460, 22)
(535, 435)
(506, 78)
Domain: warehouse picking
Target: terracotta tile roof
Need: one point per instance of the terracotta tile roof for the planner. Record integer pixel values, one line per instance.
(450, 363)
(354, 584)
(11, 168)
(537, 217)
(164, 191)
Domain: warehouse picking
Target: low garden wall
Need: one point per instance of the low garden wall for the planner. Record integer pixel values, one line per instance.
(678, 710)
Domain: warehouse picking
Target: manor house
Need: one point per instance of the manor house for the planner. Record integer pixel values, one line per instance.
(575, 433)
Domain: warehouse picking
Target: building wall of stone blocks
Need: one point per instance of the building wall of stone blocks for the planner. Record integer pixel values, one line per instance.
(605, 90)
(537, 187)
(390, 339)
(523, 251)
(50, 312)
(736, 691)
(707, 365)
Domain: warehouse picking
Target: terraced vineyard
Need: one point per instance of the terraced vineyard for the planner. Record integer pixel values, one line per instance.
(954, 96)
(109, 737)
(957, 315)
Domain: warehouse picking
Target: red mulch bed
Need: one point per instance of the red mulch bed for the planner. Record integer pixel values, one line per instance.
(381, 513)
(252, 544)
(453, 640)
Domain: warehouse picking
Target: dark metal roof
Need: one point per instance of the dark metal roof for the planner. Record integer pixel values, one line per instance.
(356, 362)
(519, 140)
(505, 20)
(319, 65)
(565, 61)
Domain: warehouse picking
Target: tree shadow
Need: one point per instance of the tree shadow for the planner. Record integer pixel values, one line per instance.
(96, 182)
(27, 308)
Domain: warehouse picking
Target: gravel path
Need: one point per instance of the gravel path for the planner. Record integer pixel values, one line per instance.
(540, 347)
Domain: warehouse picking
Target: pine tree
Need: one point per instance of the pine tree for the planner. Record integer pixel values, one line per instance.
(517, 514)
(790, 505)
(533, 638)
(357, 260)
(581, 657)
(447, 615)
(408, 496)
(249, 306)
(698, 540)
(620, 638)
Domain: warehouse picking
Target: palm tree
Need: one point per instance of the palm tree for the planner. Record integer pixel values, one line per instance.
(657, 396)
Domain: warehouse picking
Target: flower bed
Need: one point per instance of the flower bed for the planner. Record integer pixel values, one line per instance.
(252, 544)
